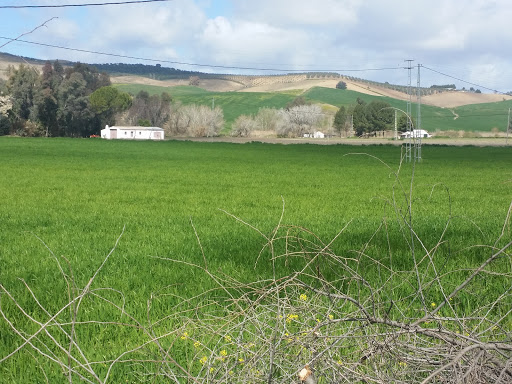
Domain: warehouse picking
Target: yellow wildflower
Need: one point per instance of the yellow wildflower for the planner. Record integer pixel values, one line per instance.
(223, 352)
(203, 360)
(227, 338)
(197, 344)
(303, 297)
(184, 336)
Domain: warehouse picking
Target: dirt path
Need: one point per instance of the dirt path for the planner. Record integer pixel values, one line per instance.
(480, 142)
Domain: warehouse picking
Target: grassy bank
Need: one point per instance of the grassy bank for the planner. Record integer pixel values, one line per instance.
(74, 197)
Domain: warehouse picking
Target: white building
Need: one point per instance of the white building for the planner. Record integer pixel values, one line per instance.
(133, 133)
(316, 135)
(416, 134)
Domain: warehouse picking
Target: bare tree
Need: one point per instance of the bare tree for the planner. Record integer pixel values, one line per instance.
(195, 120)
(193, 80)
(179, 121)
(243, 126)
(300, 120)
(5, 105)
(266, 119)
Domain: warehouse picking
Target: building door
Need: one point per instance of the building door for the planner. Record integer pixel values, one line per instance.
(113, 133)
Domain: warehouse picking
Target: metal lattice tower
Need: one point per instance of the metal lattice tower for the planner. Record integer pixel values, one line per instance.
(410, 128)
(417, 140)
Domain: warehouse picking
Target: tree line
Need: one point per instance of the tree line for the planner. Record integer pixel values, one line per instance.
(79, 101)
(54, 102)
(302, 118)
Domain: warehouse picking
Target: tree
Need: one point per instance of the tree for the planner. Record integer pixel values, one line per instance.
(46, 98)
(195, 120)
(340, 120)
(204, 121)
(299, 120)
(266, 119)
(93, 79)
(375, 116)
(341, 85)
(55, 102)
(193, 80)
(107, 101)
(156, 108)
(22, 85)
(77, 118)
(359, 118)
(243, 126)
(75, 112)
(380, 116)
(5, 108)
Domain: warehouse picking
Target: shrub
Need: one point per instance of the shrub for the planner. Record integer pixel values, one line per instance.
(341, 85)
(243, 126)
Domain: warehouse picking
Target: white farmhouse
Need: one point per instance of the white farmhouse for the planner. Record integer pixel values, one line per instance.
(132, 133)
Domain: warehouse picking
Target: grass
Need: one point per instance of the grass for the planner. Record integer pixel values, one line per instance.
(77, 195)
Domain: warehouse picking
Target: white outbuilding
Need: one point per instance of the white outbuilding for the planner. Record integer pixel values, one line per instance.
(416, 134)
(316, 135)
(132, 133)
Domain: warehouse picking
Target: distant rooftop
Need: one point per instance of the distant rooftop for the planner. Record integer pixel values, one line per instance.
(138, 128)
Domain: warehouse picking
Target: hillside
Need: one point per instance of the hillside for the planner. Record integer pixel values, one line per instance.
(298, 83)
(286, 83)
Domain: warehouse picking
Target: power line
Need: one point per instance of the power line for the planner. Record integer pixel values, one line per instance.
(197, 64)
(81, 5)
(464, 81)
(27, 33)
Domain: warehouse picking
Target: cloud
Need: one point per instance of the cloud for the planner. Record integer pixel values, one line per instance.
(246, 43)
(467, 38)
(285, 13)
(155, 26)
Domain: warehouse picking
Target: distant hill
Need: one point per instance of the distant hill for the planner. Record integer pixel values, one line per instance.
(157, 75)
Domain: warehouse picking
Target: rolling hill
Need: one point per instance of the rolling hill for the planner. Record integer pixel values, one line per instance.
(238, 94)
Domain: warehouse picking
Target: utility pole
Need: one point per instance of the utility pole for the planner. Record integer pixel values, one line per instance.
(508, 127)
(396, 124)
(417, 143)
(410, 128)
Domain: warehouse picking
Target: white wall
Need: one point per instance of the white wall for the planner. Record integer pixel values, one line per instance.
(131, 133)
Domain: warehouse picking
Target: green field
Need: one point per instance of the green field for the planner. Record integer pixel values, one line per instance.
(233, 104)
(476, 117)
(75, 196)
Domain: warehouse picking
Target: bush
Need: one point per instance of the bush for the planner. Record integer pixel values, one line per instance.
(341, 85)
(243, 126)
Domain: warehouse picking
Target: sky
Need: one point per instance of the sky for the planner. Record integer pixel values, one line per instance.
(462, 42)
